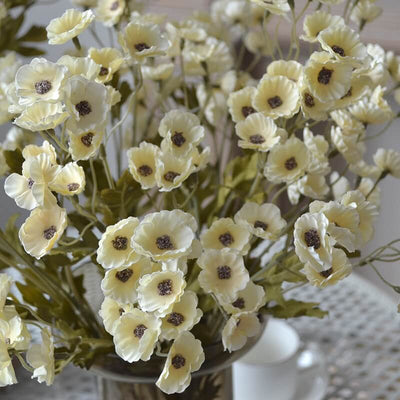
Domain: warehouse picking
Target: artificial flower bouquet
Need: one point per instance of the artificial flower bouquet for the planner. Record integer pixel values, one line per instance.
(196, 168)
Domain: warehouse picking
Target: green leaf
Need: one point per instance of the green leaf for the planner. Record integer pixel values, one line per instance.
(14, 160)
(35, 34)
(294, 309)
(274, 293)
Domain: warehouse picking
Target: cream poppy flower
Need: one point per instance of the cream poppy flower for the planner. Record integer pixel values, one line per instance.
(368, 112)
(256, 44)
(115, 248)
(152, 18)
(142, 41)
(110, 61)
(110, 312)
(388, 161)
(318, 147)
(393, 63)
(277, 7)
(87, 103)
(257, 132)
(83, 66)
(69, 181)
(160, 72)
(287, 162)
(224, 233)
(165, 236)
(350, 146)
(201, 159)
(327, 79)
(250, 299)
(183, 316)
(5, 285)
(41, 80)
(41, 358)
(361, 168)
(276, 96)
(318, 21)
(238, 328)
(223, 273)
(142, 164)
(365, 187)
(348, 124)
(311, 106)
(291, 69)
(41, 116)
(109, 12)
(13, 329)
(33, 150)
(42, 229)
(215, 108)
(71, 24)
(312, 242)
(340, 269)
(263, 220)
(359, 87)
(158, 291)
(121, 283)
(365, 11)
(85, 145)
(340, 185)
(185, 356)
(7, 373)
(240, 104)
(136, 335)
(310, 185)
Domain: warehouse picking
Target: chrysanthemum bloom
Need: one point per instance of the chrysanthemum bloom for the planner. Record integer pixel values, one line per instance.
(41, 116)
(311, 106)
(185, 356)
(250, 299)
(328, 79)
(136, 335)
(263, 220)
(84, 145)
(110, 312)
(257, 132)
(142, 164)
(318, 21)
(312, 242)
(83, 66)
(88, 104)
(157, 292)
(223, 273)
(159, 72)
(42, 229)
(121, 283)
(181, 131)
(41, 80)
(276, 96)
(388, 161)
(238, 328)
(291, 69)
(183, 316)
(7, 373)
(142, 41)
(340, 269)
(277, 7)
(5, 285)
(69, 181)
(165, 235)
(365, 11)
(109, 11)
(240, 104)
(115, 247)
(287, 162)
(109, 59)
(348, 124)
(224, 233)
(71, 24)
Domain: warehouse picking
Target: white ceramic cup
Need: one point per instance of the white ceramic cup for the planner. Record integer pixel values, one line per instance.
(271, 369)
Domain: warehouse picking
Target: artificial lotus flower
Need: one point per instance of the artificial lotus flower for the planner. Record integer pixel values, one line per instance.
(257, 132)
(71, 24)
(238, 328)
(224, 233)
(83, 66)
(263, 220)
(115, 247)
(84, 145)
(388, 161)
(69, 180)
(41, 358)
(136, 335)
(41, 80)
(240, 104)
(276, 96)
(109, 59)
(223, 273)
(109, 12)
(291, 69)
(111, 311)
(158, 291)
(121, 283)
(317, 22)
(186, 355)
(183, 316)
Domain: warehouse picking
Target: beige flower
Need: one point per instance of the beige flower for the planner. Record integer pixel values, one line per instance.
(318, 21)
(311, 106)
(109, 11)
(160, 72)
(33, 150)
(388, 161)
(277, 7)
(83, 66)
(350, 146)
(84, 145)
(110, 312)
(348, 124)
(365, 11)
(291, 69)
(69, 181)
(5, 285)
(310, 185)
(240, 104)
(109, 59)
(365, 187)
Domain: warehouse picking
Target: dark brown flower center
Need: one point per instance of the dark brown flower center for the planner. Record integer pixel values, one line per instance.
(309, 100)
(348, 94)
(165, 287)
(338, 50)
(312, 239)
(247, 110)
(30, 183)
(141, 46)
(145, 170)
(139, 330)
(49, 232)
(224, 272)
(83, 108)
(325, 75)
(164, 243)
(120, 243)
(275, 102)
(103, 71)
(114, 6)
(175, 318)
(260, 224)
(226, 239)
(178, 361)
(121, 311)
(43, 87)
(178, 139)
(170, 176)
(290, 163)
(73, 186)
(124, 275)
(257, 139)
(87, 139)
(239, 303)
(326, 273)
